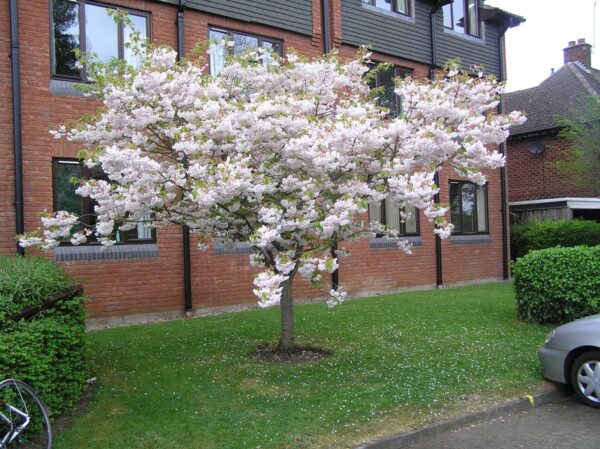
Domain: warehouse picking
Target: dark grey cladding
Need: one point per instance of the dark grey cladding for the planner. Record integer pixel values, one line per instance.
(483, 51)
(410, 37)
(288, 15)
(388, 33)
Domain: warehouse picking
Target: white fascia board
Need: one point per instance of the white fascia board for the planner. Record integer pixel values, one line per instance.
(571, 203)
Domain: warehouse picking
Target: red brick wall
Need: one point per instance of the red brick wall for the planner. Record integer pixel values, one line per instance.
(115, 287)
(529, 175)
(463, 263)
(121, 287)
(118, 286)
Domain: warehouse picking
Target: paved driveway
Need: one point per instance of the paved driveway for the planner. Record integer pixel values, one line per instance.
(562, 425)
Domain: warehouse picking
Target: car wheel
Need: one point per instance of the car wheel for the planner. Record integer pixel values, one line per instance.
(585, 378)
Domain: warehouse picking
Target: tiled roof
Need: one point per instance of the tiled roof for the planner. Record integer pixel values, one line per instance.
(568, 88)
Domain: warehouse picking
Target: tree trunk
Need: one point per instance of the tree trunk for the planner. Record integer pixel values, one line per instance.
(286, 340)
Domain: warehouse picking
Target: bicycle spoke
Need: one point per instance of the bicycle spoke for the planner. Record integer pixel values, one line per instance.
(24, 423)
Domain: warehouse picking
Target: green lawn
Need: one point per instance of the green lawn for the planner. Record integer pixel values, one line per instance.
(399, 361)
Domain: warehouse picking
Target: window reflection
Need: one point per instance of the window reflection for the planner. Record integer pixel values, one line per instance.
(65, 24)
(139, 24)
(241, 42)
(462, 16)
(99, 34)
(388, 213)
(468, 207)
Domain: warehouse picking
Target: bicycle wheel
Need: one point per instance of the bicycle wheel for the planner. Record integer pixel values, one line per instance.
(24, 422)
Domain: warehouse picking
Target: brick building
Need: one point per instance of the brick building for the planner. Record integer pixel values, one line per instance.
(536, 188)
(151, 275)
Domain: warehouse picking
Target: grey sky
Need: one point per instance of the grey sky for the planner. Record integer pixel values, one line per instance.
(534, 47)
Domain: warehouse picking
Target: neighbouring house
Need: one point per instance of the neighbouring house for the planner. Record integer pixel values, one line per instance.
(536, 188)
(153, 274)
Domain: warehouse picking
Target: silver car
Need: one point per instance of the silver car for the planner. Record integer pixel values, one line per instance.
(571, 355)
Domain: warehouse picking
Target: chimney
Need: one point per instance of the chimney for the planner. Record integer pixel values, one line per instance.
(579, 52)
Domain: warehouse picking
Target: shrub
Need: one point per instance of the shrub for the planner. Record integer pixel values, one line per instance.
(47, 350)
(543, 234)
(28, 281)
(558, 285)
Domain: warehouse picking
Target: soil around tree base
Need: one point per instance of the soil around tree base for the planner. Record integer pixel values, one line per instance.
(294, 355)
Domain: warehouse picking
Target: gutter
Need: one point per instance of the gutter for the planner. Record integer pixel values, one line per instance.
(539, 133)
(187, 263)
(16, 113)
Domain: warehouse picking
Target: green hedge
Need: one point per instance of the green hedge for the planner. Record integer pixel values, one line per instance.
(558, 285)
(540, 234)
(48, 350)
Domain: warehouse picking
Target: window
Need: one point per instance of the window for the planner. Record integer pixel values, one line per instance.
(240, 42)
(468, 208)
(65, 198)
(462, 16)
(87, 26)
(388, 213)
(398, 6)
(388, 98)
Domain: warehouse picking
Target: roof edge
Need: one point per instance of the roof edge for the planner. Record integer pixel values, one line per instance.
(491, 13)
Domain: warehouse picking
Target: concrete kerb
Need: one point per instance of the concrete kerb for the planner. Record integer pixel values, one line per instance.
(515, 406)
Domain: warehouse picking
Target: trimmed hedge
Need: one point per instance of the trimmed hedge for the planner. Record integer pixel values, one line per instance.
(543, 234)
(558, 285)
(48, 350)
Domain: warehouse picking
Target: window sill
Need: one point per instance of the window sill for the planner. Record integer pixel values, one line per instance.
(229, 250)
(470, 239)
(67, 87)
(97, 252)
(382, 242)
(395, 15)
(476, 40)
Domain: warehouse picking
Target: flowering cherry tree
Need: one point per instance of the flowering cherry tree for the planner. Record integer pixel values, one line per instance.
(284, 156)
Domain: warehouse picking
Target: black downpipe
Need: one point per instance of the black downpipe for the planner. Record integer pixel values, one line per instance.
(187, 263)
(180, 11)
(503, 194)
(335, 276)
(439, 271)
(432, 24)
(17, 140)
(325, 26)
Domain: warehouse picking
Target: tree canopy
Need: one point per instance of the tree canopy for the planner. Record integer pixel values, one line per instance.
(582, 159)
(283, 155)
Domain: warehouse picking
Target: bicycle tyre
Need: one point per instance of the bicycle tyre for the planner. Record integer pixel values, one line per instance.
(38, 434)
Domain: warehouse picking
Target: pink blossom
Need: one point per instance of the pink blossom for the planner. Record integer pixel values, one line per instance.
(283, 157)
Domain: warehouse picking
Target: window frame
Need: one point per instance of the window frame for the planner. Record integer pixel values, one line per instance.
(399, 72)
(475, 208)
(82, 42)
(260, 39)
(87, 206)
(467, 20)
(394, 7)
(402, 231)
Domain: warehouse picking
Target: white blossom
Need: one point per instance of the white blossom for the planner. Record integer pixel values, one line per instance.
(268, 288)
(283, 157)
(336, 297)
